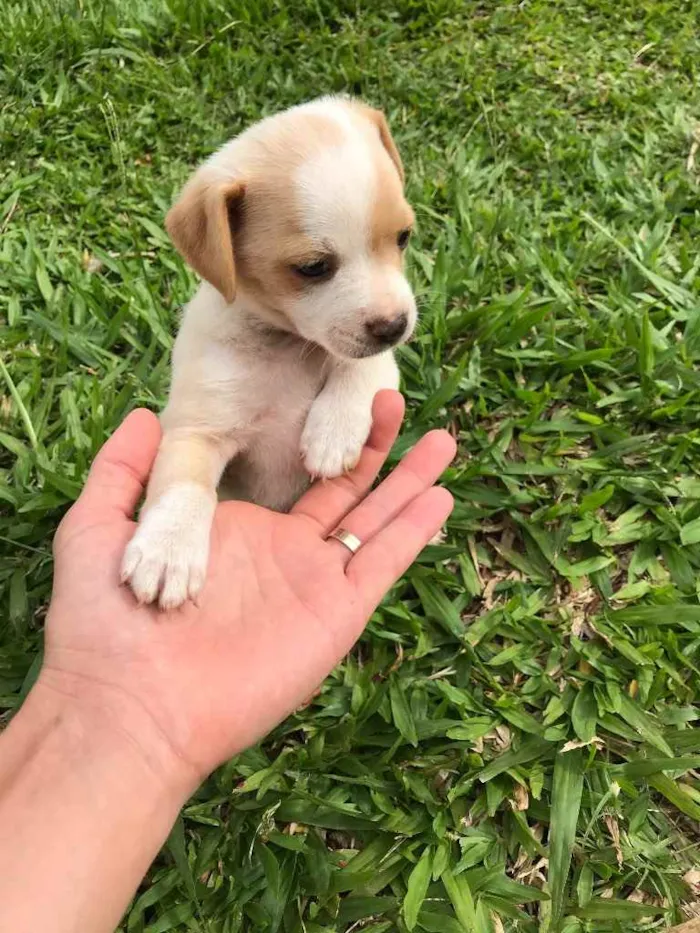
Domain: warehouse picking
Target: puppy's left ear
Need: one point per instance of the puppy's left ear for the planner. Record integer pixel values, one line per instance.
(379, 120)
(199, 224)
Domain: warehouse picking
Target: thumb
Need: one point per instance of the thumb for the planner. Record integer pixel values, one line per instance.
(118, 475)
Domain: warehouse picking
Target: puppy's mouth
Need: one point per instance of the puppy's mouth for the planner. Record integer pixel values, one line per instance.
(349, 349)
(363, 351)
(378, 337)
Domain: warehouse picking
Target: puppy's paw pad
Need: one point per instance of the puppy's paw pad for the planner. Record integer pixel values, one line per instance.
(326, 457)
(332, 439)
(329, 464)
(166, 560)
(168, 569)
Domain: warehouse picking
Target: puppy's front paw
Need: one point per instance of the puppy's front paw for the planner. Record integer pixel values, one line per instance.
(332, 440)
(166, 560)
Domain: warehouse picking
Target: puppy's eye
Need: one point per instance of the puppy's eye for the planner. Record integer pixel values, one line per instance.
(315, 270)
(403, 238)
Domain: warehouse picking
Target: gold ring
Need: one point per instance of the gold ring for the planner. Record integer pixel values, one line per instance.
(351, 541)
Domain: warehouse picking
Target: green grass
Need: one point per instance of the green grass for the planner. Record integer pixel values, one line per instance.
(557, 264)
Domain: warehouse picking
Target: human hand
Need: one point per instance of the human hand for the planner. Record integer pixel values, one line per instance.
(280, 607)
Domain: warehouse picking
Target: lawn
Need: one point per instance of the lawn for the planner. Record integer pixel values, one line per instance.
(514, 745)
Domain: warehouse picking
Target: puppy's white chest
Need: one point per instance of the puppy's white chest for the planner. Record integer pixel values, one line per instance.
(270, 471)
(288, 384)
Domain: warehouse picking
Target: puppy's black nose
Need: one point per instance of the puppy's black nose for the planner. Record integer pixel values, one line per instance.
(388, 331)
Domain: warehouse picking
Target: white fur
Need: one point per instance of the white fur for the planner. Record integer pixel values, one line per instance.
(169, 552)
(336, 190)
(340, 418)
(285, 406)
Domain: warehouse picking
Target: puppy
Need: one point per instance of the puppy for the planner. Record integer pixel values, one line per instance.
(297, 228)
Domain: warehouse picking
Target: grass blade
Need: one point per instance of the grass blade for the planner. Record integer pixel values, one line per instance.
(460, 895)
(417, 888)
(401, 712)
(566, 803)
(584, 715)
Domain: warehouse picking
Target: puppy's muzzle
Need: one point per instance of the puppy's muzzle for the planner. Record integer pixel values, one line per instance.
(386, 332)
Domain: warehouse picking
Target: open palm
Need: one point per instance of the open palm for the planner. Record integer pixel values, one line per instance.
(281, 605)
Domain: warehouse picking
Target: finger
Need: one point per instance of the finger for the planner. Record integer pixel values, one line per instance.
(120, 470)
(328, 500)
(418, 470)
(379, 563)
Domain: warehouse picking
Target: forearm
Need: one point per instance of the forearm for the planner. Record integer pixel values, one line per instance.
(83, 812)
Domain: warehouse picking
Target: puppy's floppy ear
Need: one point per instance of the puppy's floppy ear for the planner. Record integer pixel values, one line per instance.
(379, 120)
(199, 224)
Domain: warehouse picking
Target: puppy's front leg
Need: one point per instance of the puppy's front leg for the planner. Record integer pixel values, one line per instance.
(340, 418)
(166, 560)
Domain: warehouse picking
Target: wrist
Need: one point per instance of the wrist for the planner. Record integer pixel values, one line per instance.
(76, 720)
(87, 798)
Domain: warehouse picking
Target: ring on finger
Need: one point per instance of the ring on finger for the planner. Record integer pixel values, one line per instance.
(346, 538)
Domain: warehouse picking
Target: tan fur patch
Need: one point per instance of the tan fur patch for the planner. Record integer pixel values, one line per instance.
(187, 457)
(199, 227)
(267, 238)
(377, 119)
(270, 239)
(391, 212)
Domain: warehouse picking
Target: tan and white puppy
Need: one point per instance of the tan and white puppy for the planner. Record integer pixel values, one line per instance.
(297, 227)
